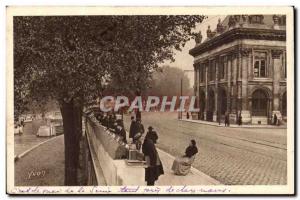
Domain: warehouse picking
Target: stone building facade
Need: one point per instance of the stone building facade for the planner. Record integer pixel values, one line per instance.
(240, 69)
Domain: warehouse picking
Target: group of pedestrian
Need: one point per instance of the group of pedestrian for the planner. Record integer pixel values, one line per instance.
(154, 165)
(146, 143)
(276, 120)
(110, 121)
(227, 119)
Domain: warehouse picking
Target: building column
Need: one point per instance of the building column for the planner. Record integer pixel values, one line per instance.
(246, 117)
(197, 83)
(228, 60)
(195, 80)
(206, 90)
(234, 83)
(233, 87)
(276, 55)
(216, 111)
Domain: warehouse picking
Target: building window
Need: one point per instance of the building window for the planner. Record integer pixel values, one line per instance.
(202, 73)
(222, 68)
(256, 19)
(282, 20)
(259, 103)
(260, 64)
(212, 70)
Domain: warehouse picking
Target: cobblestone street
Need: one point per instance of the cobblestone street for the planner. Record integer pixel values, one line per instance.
(233, 156)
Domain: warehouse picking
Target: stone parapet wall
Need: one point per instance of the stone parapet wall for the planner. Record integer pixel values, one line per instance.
(107, 152)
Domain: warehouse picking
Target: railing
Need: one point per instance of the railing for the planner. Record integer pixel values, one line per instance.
(108, 155)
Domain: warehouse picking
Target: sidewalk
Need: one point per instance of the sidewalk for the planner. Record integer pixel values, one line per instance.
(232, 125)
(195, 177)
(43, 166)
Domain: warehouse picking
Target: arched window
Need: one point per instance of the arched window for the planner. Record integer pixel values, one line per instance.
(202, 100)
(259, 103)
(211, 101)
(222, 101)
(222, 67)
(202, 73)
(212, 70)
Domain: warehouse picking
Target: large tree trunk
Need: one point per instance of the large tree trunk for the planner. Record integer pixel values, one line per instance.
(72, 122)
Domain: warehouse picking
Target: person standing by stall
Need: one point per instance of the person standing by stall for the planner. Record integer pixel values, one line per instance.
(152, 134)
(139, 133)
(154, 166)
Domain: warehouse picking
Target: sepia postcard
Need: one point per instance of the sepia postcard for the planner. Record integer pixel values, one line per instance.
(150, 100)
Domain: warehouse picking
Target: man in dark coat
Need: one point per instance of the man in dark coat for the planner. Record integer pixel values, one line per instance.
(151, 134)
(140, 131)
(120, 131)
(133, 128)
(239, 119)
(154, 166)
(226, 119)
(140, 126)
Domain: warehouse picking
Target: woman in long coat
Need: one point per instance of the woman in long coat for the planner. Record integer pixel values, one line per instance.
(154, 166)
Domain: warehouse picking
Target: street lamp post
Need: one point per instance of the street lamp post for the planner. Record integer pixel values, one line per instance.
(181, 80)
(181, 89)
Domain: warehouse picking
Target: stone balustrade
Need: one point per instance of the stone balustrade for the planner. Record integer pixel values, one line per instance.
(109, 156)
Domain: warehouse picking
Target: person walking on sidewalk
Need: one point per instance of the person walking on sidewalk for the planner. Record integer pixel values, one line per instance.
(226, 119)
(154, 166)
(275, 120)
(239, 119)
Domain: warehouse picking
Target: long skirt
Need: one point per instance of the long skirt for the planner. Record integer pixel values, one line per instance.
(152, 173)
(182, 165)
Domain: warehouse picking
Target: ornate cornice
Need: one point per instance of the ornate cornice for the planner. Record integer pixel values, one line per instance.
(239, 33)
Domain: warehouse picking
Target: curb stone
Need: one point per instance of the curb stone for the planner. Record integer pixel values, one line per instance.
(233, 126)
(18, 157)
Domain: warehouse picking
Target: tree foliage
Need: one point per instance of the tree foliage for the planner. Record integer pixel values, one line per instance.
(71, 56)
(73, 59)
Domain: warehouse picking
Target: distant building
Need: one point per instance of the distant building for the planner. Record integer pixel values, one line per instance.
(241, 68)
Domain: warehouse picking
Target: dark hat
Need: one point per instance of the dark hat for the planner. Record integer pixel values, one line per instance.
(193, 142)
(150, 128)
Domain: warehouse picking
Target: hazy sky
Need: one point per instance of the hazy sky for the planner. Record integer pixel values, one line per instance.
(183, 59)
